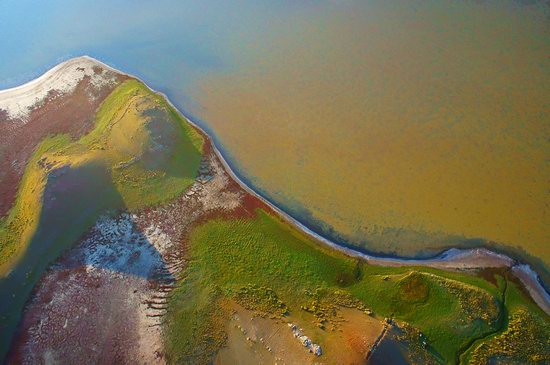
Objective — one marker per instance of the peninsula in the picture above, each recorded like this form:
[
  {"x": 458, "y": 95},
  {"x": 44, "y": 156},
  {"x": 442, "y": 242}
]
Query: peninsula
[{"x": 125, "y": 237}]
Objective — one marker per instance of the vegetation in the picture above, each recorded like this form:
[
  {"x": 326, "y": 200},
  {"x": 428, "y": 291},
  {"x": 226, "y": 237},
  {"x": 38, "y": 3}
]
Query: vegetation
[
  {"x": 416, "y": 349},
  {"x": 262, "y": 300},
  {"x": 152, "y": 153},
  {"x": 196, "y": 324},
  {"x": 232, "y": 254},
  {"x": 141, "y": 153},
  {"x": 325, "y": 303},
  {"x": 17, "y": 227},
  {"x": 435, "y": 304},
  {"x": 523, "y": 339}
]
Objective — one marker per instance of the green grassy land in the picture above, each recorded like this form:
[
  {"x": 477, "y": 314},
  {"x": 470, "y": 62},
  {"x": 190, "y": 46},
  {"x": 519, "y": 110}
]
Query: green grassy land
[
  {"x": 229, "y": 255},
  {"x": 447, "y": 311},
  {"x": 17, "y": 227}
]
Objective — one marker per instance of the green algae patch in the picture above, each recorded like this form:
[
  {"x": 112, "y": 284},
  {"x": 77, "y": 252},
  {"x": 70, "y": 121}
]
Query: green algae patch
[{"x": 265, "y": 252}]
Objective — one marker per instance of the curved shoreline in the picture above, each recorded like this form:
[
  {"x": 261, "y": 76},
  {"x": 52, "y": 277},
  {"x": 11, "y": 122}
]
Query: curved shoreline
[{"x": 451, "y": 259}]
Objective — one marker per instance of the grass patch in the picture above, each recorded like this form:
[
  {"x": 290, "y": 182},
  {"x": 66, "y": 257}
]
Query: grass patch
[
  {"x": 17, "y": 228},
  {"x": 196, "y": 324},
  {"x": 448, "y": 312},
  {"x": 414, "y": 288},
  {"x": 152, "y": 152},
  {"x": 236, "y": 254},
  {"x": 524, "y": 337},
  {"x": 267, "y": 252},
  {"x": 325, "y": 303}
]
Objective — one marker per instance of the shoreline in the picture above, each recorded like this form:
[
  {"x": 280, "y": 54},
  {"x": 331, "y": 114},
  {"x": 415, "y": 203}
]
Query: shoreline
[{"x": 450, "y": 259}]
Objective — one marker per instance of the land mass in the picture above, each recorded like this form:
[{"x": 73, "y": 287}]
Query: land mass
[{"x": 140, "y": 245}]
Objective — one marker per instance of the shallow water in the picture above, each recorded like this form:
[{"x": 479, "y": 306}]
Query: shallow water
[
  {"x": 404, "y": 125},
  {"x": 391, "y": 350}
]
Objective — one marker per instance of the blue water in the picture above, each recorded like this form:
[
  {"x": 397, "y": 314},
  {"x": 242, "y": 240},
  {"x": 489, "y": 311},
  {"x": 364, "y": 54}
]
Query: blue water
[
  {"x": 315, "y": 59},
  {"x": 168, "y": 43}
]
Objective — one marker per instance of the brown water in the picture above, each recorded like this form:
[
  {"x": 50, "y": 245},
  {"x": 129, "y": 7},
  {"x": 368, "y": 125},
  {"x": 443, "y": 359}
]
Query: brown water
[{"x": 383, "y": 118}]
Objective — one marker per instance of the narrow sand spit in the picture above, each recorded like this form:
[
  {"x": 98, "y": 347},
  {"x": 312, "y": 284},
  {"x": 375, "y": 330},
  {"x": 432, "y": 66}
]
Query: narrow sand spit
[{"x": 530, "y": 279}]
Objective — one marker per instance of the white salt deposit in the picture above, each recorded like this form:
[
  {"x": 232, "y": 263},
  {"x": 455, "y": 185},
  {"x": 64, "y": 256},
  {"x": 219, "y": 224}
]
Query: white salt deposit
[
  {"x": 304, "y": 340},
  {"x": 19, "y": 101},
  {"x": 116, "y": 245}
]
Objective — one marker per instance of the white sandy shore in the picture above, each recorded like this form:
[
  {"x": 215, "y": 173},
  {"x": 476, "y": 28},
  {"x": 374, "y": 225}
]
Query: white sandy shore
[
  {"x": 19, "y": 101},
  {"x": 19, "y": 98}
]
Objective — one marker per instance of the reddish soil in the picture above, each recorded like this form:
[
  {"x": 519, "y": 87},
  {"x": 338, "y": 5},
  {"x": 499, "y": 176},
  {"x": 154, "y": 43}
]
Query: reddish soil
[{"x": 72, "y": 114}]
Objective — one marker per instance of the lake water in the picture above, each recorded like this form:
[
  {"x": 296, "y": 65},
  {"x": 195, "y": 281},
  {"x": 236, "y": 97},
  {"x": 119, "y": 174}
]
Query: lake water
[{"x": 398, "y": 125}]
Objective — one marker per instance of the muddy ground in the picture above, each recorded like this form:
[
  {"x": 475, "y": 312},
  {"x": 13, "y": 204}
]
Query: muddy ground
[{"x": 252, "y": 339}]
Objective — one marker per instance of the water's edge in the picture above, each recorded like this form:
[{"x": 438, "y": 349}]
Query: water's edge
[{"x": 451, "y": 259}]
